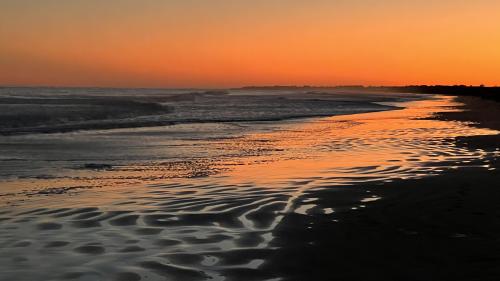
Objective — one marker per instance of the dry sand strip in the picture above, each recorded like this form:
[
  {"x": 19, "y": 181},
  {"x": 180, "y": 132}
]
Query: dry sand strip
[{"x": 437, "y": 228}]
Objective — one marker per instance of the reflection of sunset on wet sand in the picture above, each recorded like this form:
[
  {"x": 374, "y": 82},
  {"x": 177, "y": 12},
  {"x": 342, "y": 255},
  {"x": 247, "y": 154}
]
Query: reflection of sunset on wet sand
[
  {"x": 337, "y": 150},
  {"x": 209, "y": 209},
  {"x": 385, "y": 145}
]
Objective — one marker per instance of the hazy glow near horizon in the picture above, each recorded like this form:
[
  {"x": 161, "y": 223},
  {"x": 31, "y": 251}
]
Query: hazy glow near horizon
[{"x": 225, "y": 43}]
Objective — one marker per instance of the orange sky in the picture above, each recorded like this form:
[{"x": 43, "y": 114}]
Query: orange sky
[{"x": 226, "y": 43}]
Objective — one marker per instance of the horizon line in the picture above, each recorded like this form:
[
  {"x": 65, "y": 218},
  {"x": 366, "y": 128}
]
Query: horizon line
[{"x": 247, "y": 86}]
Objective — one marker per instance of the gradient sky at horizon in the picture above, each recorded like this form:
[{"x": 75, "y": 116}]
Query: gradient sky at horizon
[{"x": 227, "y": 43}]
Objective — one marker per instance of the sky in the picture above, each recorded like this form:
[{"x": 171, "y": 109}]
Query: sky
[{"x": 231, "y": 43}]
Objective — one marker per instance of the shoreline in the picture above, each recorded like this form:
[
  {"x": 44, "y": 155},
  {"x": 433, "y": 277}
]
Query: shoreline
[
  {"x": 275, "y": 193},
  {"x": 441, "y": 227}
]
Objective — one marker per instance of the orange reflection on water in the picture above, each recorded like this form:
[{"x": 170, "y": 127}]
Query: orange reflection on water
[
  {"x": 293, "y": 155},
  {"x": 382, "y": 145}
]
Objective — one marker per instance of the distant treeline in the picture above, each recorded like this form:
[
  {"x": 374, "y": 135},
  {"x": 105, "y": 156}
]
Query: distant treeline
[{"x": 457, "y": 90}]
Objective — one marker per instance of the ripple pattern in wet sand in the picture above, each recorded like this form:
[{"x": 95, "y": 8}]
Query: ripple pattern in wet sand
[{"x": 219, "y": 227}]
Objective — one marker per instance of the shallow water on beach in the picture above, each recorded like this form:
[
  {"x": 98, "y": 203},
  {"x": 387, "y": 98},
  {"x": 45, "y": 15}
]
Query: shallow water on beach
[{"x": 187, "y": 208}]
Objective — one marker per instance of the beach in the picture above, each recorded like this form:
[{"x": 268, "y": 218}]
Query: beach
[
  {"x": 397, "y": 187},
  {"x": 249, "y": 140},
  {"x": 435, "y": 228}
]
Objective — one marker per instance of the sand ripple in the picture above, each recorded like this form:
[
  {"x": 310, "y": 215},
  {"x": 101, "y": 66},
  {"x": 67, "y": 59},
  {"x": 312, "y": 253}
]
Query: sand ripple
[{"x": 212, "y": 217}]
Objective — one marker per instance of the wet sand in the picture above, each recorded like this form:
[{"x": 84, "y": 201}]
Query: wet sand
[
  {"x": 351, "y": 197},
  {"x": 436, "y": 228}
]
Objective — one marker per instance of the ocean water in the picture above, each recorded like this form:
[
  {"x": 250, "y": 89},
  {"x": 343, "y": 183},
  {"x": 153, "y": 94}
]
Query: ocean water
[
  {"x": 191, "y": 185},
  {"x": 47, "y": 110},
  {"x": 46, "y": 130}
]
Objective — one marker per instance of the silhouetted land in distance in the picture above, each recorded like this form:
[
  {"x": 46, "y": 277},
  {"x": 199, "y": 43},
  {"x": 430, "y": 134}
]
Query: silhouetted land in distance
[
  {"x": 460, "y": 90},
  {"x": 456, "y": 90}
]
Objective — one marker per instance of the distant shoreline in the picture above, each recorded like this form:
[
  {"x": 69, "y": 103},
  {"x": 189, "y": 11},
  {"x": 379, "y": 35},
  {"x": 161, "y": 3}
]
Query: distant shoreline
[{"x": 456, "y": 90}]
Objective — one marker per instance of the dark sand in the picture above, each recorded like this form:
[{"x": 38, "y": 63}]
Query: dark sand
[{"x": 445, "y": 227}]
